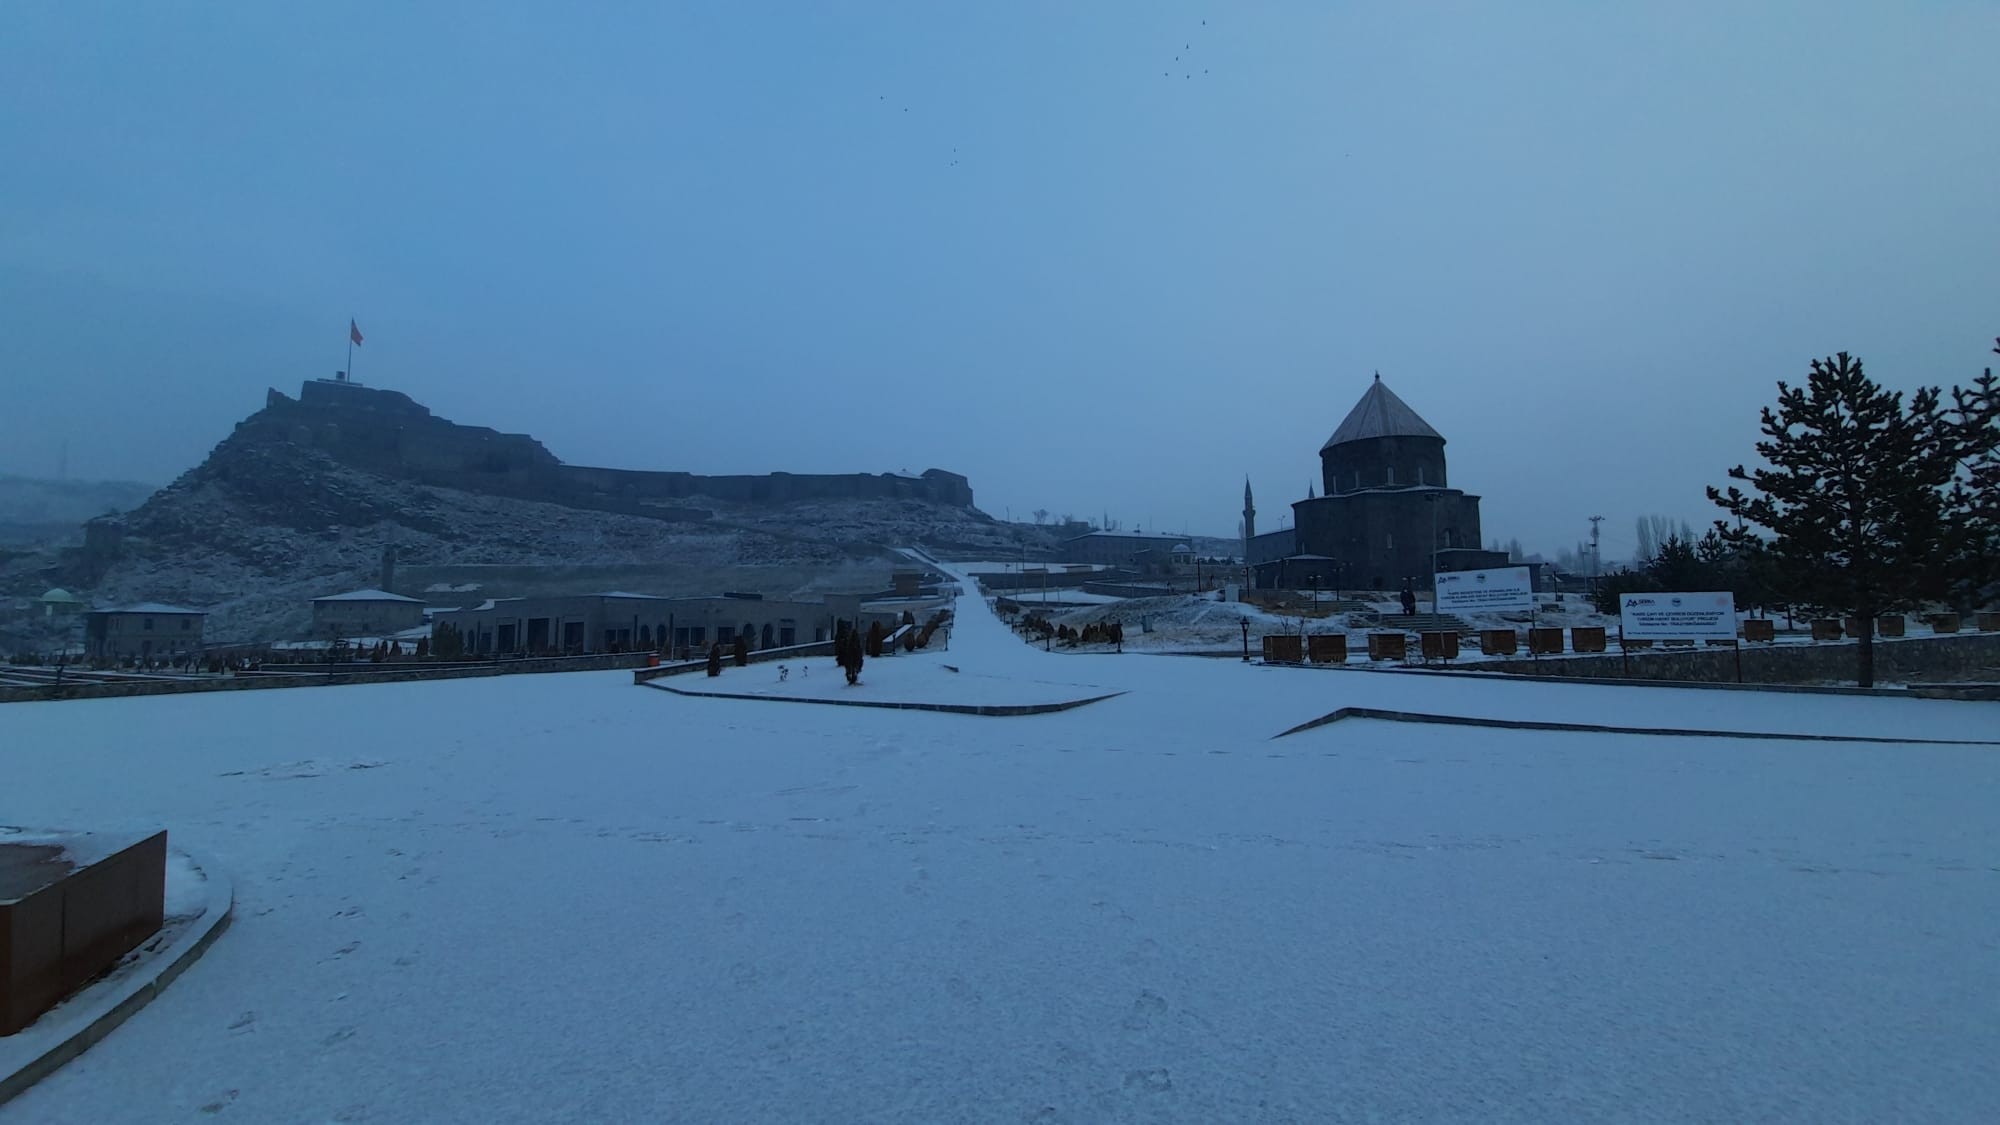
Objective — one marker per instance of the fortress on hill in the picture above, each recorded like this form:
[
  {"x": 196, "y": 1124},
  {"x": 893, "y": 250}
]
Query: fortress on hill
[{"x": 390, "y": 434}]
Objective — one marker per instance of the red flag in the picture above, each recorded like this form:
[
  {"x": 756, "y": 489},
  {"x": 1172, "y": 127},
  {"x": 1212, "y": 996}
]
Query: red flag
[{"x": 353, "y": 331}]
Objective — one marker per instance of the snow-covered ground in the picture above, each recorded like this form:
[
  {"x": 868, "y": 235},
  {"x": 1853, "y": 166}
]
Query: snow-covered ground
[{"x": 566, "y": 898}]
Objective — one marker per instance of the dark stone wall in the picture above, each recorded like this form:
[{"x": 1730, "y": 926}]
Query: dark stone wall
[
  {"x": 1912, "y": 659},
  {"x": 1384, "y": 536},
  {"x": 1272, "y": 545},
  {"x": 1389, "y": 461}
]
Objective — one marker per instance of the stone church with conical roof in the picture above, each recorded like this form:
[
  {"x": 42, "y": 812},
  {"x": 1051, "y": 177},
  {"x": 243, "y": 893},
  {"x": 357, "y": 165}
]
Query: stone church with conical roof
[{"x": 1386, "y": 509}]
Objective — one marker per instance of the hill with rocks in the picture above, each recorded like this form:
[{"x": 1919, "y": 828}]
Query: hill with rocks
[{"x": 306, "y": 495}]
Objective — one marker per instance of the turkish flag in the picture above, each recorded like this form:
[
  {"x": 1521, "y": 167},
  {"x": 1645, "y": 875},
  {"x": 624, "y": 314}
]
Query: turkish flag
[{"x": 353, "y": 331}]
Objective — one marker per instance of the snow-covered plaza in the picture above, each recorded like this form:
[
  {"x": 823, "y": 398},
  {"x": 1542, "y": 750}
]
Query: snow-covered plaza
[{"x": 568, "y": 898}]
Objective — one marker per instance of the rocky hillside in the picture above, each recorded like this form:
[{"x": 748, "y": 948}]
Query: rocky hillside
[{"x": 272, "y": 519}]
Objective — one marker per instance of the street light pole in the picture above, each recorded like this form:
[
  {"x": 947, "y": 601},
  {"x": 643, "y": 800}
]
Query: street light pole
[{"x": 1434, "y": 551}]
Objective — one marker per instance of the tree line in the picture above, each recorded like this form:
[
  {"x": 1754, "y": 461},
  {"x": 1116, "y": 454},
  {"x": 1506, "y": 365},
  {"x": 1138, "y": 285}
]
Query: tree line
[{"x": 1866, "y": 503}]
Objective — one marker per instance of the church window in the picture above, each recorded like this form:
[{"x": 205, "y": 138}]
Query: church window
[
  {"x": 1392, "y": 474},
  {"x": 1420, "y": 474},
  {"x": 1357, "y": 480},
  {"x": 1391, "y": 541}
]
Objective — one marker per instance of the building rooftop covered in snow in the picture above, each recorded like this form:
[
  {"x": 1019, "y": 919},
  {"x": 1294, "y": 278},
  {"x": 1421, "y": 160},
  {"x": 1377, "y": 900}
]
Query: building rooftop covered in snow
[{"x": 364, "y": 613}]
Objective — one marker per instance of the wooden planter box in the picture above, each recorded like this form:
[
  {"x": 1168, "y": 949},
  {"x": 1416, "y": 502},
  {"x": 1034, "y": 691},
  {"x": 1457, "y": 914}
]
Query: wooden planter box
[
  {"x": 1327, "y": 648},
  {"x": 1388, "y": 646},
  {"x": 62, "y": 924},
  {"x": 1284, "y": 649},
  {"x": 1586, "y": 638},
  {"x": 1889, "y": 625},
  {"x": 1499, "y": 642},
  {"x": 1987, "y": 622},
  {"x": 1852, "y": 625},
  {"x": 1439, "y": 645},
  {"x": 1633, "y": 646},
  {"x": 1826, "y": 629},
  {"x": 1760, "y": 629},
  {"x": 1944, "y": 623},
  {"x": 1545, "y": 642}
]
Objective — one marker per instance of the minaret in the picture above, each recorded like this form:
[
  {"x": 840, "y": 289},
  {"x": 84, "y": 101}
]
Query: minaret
[{"x": 1249, "y": 520}]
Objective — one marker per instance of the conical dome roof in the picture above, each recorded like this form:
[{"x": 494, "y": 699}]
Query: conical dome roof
[{"x": 1380, "y": 414}]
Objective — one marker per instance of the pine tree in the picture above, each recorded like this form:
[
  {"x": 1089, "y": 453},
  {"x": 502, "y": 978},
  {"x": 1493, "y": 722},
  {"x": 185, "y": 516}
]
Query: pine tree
[
  {"x": 1853, "y": 498},
  {"x": 847, "y": 653},
  {"x": 1973, "y": 504},
  {"x": 1677, "y": 567}
]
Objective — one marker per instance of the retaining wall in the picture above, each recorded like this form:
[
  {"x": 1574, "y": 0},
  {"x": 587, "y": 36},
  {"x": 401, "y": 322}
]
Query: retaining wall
[
  {"x": 1923, "y": 658},
  {"x": 303, "y": 675}
]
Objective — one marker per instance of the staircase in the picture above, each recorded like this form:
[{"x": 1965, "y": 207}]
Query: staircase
[{"x": 1414, "y": 622}]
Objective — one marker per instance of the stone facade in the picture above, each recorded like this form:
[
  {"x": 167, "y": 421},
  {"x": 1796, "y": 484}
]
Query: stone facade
[
  {"x": 143, "y": 631},
  {"x": 620, "y": 622},
  {"x": 1388, "y": 514},
  {"x": 1144, "y": 553},
  {"x": 1913, "y": 659},
  {"x": 365, "y": 613}
]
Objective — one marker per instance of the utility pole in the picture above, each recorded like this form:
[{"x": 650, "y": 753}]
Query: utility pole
[
  {"x": 1596, "y": 558},
  {"x": 1433, "y": 498}
]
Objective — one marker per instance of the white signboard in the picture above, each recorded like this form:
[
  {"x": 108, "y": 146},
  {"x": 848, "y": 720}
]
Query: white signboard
[
  {"x": 1678, "y": 617},
  {"x": 1500, "y": 590}
]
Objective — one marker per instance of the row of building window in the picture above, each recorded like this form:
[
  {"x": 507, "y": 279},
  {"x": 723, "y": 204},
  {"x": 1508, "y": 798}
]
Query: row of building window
[{"x": 1390, "y": 478}]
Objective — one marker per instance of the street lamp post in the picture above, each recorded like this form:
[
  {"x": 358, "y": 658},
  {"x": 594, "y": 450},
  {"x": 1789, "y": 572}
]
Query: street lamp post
[{"x": 1433, "y": 498}]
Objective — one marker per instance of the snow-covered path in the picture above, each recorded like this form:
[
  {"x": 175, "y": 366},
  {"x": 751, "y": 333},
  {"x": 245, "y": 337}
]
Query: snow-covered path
[{"x": 563, "y": 898}]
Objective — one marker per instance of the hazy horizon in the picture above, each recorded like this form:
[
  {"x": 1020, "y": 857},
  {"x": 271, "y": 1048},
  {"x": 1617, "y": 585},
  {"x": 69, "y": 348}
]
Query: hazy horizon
[{"x": 1098, "y": 259}]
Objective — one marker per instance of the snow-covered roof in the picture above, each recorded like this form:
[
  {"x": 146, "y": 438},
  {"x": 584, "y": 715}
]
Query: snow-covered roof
[
  {"x": 623, "y": 594},
  {"x": 59, "y": 595},
  {"x": 155, "y": 608},
  {"x": 1380, "y": 414},
  {"x": 1158, "y": 535},
  {"x": 367, "y": 596}
]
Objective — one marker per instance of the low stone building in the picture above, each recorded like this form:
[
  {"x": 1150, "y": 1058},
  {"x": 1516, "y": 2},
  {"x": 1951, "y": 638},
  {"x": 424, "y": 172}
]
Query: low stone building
[
  {"x": 626, "y": 622},
  {"x": 365, "y": 613},
  {"x": 1140, "y": 551},
  {"x": 148, "y": 629}
]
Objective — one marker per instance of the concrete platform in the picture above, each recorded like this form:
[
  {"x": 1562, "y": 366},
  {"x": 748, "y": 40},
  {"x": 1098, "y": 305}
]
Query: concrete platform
[{"x": 197, "y": 908}]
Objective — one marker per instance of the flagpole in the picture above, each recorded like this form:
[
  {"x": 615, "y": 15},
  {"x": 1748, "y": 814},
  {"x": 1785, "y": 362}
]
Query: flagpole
[{"x": 350, "y": 349}]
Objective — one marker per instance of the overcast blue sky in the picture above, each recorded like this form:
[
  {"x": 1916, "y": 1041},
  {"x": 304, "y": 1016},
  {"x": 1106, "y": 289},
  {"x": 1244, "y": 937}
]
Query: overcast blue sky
[{"x": 1095, "y": 256}]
